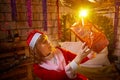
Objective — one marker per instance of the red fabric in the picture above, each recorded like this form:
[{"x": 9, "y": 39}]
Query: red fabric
[
  {"x": 31, "y": 34},
  {"x": 45, "y": 74},
  {"x": 70, "y": 56}
]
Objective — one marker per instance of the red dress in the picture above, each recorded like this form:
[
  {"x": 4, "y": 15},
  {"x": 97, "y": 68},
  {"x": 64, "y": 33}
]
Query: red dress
[{"x": 45, "y": 74}]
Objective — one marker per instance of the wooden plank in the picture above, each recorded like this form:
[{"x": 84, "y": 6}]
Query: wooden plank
[{"x": 14, "y": 72}]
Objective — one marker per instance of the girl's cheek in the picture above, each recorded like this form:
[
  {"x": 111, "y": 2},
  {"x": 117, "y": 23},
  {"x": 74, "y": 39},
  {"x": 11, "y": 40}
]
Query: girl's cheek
[{"x": 42, "y": 45}]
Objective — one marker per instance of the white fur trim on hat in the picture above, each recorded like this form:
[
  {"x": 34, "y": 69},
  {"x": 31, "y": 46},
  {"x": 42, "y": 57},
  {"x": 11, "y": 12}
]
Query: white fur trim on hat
[{"x": 34, "y": 39}]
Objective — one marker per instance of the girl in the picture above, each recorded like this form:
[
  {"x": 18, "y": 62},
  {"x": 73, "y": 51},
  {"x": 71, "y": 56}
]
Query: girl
[{"x": 55, "y": 63}]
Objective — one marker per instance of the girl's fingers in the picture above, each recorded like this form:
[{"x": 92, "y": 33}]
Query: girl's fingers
[
  {"x": 87, "y": 50},
  {"x": 83, "y": 45}
]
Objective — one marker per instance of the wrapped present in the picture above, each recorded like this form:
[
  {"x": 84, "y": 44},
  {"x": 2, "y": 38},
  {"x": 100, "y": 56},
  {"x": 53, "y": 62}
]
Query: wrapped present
[{"x": 94, "y": 38}]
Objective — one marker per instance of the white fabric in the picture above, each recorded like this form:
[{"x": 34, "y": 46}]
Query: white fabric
[
  {"x": 72, "y": 46},
  {"x": 100, "y": 60},
  {"x": 34, "y": 39}
]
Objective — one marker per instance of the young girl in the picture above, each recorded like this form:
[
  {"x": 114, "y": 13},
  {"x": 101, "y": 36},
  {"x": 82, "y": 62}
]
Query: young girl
[{"x": 55, "y": 63}]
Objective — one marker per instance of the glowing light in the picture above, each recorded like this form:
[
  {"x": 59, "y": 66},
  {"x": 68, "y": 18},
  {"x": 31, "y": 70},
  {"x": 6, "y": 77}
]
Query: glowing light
[
  {"x": 83, "y": 13},
  {"x": 93, "y": 1}
]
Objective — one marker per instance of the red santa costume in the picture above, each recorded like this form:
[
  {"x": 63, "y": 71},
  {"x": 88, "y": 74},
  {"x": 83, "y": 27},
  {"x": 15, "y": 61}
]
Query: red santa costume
[
  {"x": 60, "y": 67},
  {"x": 59, "y": 70}
]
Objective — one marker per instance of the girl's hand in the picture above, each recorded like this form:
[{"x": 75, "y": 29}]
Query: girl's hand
[
  {"x": 84, "y": 51},
  {"x": 82, "y": 54}
]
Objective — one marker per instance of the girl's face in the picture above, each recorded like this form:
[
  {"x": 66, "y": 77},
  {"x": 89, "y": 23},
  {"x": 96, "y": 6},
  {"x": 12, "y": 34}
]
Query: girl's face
[{"x": 44, "y": 46}]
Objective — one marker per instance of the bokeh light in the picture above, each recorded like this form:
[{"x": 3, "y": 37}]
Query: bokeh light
[{"x": 83, "y": 13}]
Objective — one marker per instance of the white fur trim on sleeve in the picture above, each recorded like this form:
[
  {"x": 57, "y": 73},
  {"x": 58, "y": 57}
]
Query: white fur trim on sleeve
[
  {"x": 73, "y": 65},
  {"x": 70, "y": 69}
]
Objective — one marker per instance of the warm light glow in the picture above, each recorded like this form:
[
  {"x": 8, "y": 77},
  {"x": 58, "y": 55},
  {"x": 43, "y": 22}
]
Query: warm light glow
[
  {"x": 93, "y": 1},
  {"x": 83, "y": 13}
]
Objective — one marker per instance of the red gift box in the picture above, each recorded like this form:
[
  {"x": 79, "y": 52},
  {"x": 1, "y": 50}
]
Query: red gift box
[{"x": 94, "y": 38}]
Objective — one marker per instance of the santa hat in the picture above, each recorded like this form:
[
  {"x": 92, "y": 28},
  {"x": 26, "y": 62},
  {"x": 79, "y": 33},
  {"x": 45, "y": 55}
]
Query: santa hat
[{"x": 32, "y": 38}]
